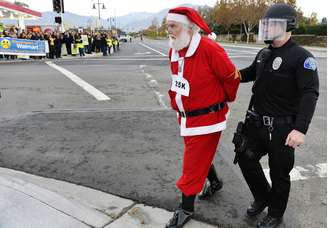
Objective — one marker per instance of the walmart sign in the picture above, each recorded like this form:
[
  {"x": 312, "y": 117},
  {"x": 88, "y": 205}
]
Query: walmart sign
[{"x": 13, "y": 46}]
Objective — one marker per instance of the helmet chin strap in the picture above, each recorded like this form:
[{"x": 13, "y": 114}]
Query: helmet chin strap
[
  {"x": 268, "y": 41},
  {"x": 271, "y": 41}
]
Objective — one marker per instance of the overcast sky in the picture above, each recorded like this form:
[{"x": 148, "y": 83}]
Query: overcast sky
[{"x": 122, "y": 7}]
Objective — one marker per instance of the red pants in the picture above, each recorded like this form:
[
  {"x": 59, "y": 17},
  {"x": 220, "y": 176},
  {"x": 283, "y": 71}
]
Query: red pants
[{"x": 198, "y": 156}]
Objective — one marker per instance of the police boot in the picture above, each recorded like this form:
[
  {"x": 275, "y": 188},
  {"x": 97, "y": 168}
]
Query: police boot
[
  {"x": 212, "y": 185},
  {"x": 179, "y": 219},
  {"x": 269, "y": 222},
  {"x": 256, "y": 208}
]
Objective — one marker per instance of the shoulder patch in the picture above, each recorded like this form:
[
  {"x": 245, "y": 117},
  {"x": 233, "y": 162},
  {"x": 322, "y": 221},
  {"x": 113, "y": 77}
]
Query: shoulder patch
[{"x": 310, "y": 63}]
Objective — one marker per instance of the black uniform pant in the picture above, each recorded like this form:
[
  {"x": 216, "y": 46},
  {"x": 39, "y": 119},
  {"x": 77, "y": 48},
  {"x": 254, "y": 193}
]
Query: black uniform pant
[
  {"x": 69, "y": 48},
  {"x": 281, "y": 162}
]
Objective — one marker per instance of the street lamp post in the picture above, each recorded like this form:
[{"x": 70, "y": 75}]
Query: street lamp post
[
  {"x": 61, "y": 15},
  {"x": 99, "y": 4}
]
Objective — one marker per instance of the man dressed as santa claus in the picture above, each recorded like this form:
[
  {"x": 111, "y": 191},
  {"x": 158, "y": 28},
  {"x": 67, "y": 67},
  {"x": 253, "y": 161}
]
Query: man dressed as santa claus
[{"x": 203, "y": 81}]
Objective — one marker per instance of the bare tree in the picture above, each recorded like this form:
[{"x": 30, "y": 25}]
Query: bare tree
[
  {"x": 223, "y": 13},
  {"x": 206, "y": 12},
  {"x": 248, "y": 13}
]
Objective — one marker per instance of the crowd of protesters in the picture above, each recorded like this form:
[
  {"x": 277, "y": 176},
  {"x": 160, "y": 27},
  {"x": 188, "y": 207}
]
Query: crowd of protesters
[{"x": 74, "y": 42}]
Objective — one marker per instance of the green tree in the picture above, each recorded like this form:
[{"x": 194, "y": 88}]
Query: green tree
[
  {"x": 21, "y": 4},
  {"x": 308, "y": 21}
]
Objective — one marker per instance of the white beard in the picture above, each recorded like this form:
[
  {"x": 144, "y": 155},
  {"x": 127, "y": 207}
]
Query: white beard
[{"x": 180, "y": 42}]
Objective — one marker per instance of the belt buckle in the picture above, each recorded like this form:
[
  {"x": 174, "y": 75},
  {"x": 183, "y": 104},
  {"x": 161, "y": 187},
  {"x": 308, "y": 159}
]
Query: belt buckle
[
  {"x": 267, "y": 120},
  {"x": 183, "y": 114}
]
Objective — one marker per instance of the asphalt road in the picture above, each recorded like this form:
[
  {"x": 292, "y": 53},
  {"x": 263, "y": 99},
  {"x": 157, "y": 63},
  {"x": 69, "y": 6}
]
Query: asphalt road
[{"x": 128, "y": 144}]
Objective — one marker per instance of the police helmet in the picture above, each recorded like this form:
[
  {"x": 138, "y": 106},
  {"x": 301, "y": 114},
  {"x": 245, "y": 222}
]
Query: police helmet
[{"x": 283, "y": 11}]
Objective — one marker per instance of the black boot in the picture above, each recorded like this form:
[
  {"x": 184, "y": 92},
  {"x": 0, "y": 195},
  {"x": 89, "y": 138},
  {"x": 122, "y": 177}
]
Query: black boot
[
  {"x": 269, "y": 222},
  {"x": 212, "y": 185},
  {"x": 179, "y": 219},
  {"x": 209, "y": 189},
  {"x": 256, "y": 208},
  {"x": 183, "y": 214}
]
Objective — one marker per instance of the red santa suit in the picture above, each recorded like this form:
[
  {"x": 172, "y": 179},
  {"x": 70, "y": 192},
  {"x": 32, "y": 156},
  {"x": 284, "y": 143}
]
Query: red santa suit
[{"x": 202, "y": 76}]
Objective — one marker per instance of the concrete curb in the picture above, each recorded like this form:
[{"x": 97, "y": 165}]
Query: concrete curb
[{"x": 31, "y": 201}]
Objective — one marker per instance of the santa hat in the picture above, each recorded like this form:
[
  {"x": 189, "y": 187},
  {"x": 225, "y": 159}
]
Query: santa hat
[{"x": 186, "y": 15}]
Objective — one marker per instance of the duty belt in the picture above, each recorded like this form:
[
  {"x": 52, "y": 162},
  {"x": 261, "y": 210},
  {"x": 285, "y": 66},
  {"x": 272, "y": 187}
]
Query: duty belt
[
  {"x": 203, "y": 111},
  {"x": 269, "y": 120}
]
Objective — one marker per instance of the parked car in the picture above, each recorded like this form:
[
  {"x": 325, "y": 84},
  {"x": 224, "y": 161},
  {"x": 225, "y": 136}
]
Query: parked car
[{"x": 124, "y": 38}]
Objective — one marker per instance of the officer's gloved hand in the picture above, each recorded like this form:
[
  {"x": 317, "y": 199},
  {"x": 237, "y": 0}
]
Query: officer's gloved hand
[{"x": 294, "y": 139}]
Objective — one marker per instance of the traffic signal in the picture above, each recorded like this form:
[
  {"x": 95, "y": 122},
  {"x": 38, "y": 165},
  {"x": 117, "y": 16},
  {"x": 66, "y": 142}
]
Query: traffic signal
[
  {"x": 58, "y": 6},
  {"x": 58, "y": 20}
]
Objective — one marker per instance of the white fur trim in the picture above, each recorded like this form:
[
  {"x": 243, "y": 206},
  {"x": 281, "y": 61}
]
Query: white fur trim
[
  {"x": 194, "y": 43},
  {"x": 178, "y": 100},
  {"x": 212, "y": 36},
  {"x": 178, "y": 18},
  {"x": 190, "y": 131}
]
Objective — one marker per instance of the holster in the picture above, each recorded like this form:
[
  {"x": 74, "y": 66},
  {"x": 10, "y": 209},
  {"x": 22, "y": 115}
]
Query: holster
[{"x": 240, "y": 141}]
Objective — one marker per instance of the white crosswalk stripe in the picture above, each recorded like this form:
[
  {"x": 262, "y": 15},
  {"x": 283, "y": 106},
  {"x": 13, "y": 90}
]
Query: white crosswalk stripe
[{"x": 304, "y": 173}]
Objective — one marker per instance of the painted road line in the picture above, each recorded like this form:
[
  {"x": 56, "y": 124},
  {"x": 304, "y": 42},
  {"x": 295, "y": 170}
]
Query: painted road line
[
  {"x": 100, "y": 96},
  {"x": 240, "y": 51},
  {"x": 304, "y": 173},
  {"x": 143, "y": 53},
  {"x": 153, "y": 84},
  {"x": 148, "y": 76},
  {"x": 241, "y": 46},
  {"x": 240, "y": 56},
  {"x": 146, "y": 46},
  {"x": 117, "y": 59},
  {"x": 160, "y": 99},
  {"x": 133, "y": 59}
]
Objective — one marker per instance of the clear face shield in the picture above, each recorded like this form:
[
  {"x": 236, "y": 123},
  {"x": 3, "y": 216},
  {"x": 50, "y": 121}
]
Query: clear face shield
[{"x": 272, "y": 29}]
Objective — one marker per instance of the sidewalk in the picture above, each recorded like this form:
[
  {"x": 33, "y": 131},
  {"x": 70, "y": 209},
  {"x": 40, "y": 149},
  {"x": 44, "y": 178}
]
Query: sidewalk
[
  {"x": 260, "y": 46},
  {"x": 46, "y": 59},
  {"x": 28, "y": 201}
]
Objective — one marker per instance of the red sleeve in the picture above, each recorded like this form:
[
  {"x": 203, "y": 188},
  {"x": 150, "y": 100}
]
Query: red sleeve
[{"x": 224, "y": 70}]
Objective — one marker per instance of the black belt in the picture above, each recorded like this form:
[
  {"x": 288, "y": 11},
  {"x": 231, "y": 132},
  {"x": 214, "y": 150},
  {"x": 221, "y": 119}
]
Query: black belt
[
  {"x": 268, "y": 120},
  {"x": 203, "y": 111}
]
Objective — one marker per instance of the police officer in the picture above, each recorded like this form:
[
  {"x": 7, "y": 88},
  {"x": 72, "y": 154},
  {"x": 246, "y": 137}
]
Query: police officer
[{"x": 284, "y": 97}]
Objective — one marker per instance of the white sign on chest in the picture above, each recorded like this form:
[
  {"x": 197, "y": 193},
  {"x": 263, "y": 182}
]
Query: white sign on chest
[{"x": 180, "y": 85}]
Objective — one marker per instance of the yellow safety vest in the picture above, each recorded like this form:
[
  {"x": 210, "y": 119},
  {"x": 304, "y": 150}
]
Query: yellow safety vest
[
  {"x": 109, "y": 42},
  {"x": 52, "y": 41},
  {"x": 79, "y": 43}
]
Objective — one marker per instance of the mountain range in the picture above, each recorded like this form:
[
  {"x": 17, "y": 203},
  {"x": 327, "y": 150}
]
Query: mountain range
[{"x": 131, "y": 22}]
